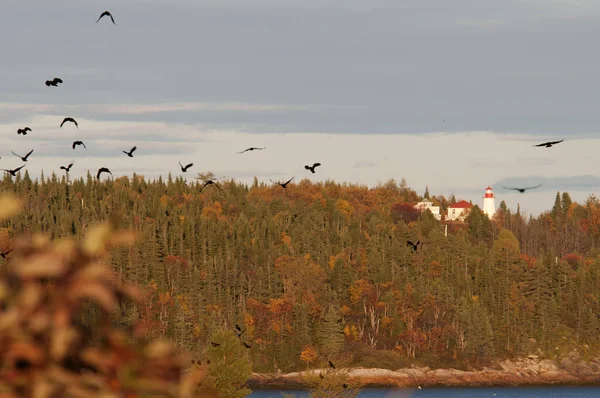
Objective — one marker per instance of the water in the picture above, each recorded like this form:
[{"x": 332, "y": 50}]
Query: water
[{"x": 488, "y": 392}]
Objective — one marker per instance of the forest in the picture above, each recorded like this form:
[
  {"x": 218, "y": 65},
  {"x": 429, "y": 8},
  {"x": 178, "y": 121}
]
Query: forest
[{"x": 321, "y": 272}]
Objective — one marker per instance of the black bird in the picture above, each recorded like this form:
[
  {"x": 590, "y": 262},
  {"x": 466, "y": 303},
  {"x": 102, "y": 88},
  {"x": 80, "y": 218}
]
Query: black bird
[
  {"x": 23, "y": 131},
  {"x": 105, "y": 13},
  {"x": 215, "y": 344},
  {"x": 14, "y": 171},
  {"x": 345, "y": 385},
  {"x": 103, "y": 170},
  {"x": 68, "y": 168},
  {"x": 413, "y": 246},
  {"x": 331, "y": 365},
  {"x": 184, "y": 169},
  {"x": 69, "y": 119},
  {"x": 252, "y": 149},
  {"x": 23, "y": 158},
  {"x": 321, "y": 376},
  {"x": 283, "y": 185},
  {"x": 312, "y": 168},
  {"x": 130, "y": 153},
  {"x": 211, "y": 182},
  {"x": 238, "y": 327},
  {"x": 4, "y": 254},
  {"x": 54, "y": 82},
  {"x": 75, "y": 143},
  {"x": 549, "y": 143},
  {"x": 247, "y": 345},
  {"x": 522, "y": 190}
]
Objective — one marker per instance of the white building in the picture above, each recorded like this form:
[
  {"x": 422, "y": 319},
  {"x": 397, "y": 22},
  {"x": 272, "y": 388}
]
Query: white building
[
  {"x": 489, "y": 207},
  {"x": 458, "y": 211},
  {"x": 427, "y": 204}
]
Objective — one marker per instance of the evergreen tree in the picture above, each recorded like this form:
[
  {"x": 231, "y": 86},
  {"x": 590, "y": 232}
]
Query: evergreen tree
[
  {"x": 331, "y": 334},
  {"x": 229, "y": 367},
  {"x": 566, "y": 202},
  {"x": 557, "y": 209}
]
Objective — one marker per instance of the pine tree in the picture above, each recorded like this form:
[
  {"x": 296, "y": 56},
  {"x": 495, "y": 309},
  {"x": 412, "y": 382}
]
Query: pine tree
[
  {"x": 566, "y": 202},
  {"x": 557, "y": 209},
  {"x": 331, "y": 334}
]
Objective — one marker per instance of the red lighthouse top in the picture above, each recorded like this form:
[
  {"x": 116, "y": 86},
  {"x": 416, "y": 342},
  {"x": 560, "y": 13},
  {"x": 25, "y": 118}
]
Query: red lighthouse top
[{"x": 489, "y": 192}]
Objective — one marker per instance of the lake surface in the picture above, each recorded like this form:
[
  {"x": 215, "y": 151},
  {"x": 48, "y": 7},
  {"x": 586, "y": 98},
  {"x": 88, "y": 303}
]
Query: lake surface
[{"x": 493, "y": 392}]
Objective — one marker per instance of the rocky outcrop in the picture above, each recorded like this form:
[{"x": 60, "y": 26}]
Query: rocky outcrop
[{"x": 526, "y": 371}]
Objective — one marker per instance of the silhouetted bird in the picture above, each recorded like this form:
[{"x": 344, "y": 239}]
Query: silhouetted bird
[
  {"x": 184, "y": 169},
  {"x": 69, "y": 119},
  {"x": 247, "y": 345},
  {"x": 238, "y": 327},
  {"x": 413, "y": 246},
  {"x": 4, "y": 254},
  {"x": 331, "y": 365},
  {"x": 312, "y": 168},
  {"x": 75, "y": 143},
  {"x": 284, "y": 184},
  {"x": 130, "y": 153},
  {"x": 215, "y": 344},
  {"x": 54, "y": 82},
  {"x": 68, "y": 168},
  {"x": 253, "y": 149},
  {"x": 522, "y": 190},
  {"x": 14, "y": 171},
  {"x": 105, "y": 13},
  {"x": 345, "y": 385},
  {"x": 103, "y": 170},
  {"x": 549, "y": 143},
  {"x": 211, "y": 182},
  {"x": 23, "y": 131},
  {"x": 321, "y": 376},
  {"x": 23, "y": 158}
]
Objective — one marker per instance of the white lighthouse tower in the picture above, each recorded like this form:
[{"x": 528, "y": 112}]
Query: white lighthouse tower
[{"x": 489, "y": 207}]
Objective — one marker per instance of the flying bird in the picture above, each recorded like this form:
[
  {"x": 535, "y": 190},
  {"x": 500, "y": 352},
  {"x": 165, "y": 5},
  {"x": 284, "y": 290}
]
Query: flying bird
[
  {"x": 68, "y": 168},
  {"x": 211, "y": 182},
  {"x": 247, "y": 345},
  {"x": 4, "y": 254},
  {"x": 69, "y": 119},
  {"x": 215, "y": 344},
  {"x": 252, "y": 149},
  {"x": 130, "y": 153},
  {"x": 413, "y": 246},
  {"x": 522, "y": 190},
  {"x": 23, "y": 131},
  {"x": 23, "y": 158},
  {"x": 312, "y": 168},
  {"x": 14, "y": 171},
  {"x": 184, "y": 169},
  {"x": 283, "y": 185},
  {"x": 549, "y": 143},
  {"x": 54, "y": 82},
  {"x": 106, "y": 13},
  {"x": 75, "y": 143},
  {"x": 103, "y": 170},
  {"x": 238, "y": 327},
  {"x": 331, "y": 365}
]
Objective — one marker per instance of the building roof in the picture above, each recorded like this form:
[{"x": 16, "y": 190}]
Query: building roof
[
  {"x": 463, "y": 204},
  {"x": 425, "y": 200},
  {"x": 488, "y": 188}
]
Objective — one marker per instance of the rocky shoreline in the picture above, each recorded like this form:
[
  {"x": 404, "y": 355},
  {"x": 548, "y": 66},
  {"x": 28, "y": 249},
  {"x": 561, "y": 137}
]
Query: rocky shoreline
[{"x": 570, "y": 370}]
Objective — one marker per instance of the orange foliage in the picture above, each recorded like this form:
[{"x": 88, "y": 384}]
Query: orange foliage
[{"x": 309, "y": 354}]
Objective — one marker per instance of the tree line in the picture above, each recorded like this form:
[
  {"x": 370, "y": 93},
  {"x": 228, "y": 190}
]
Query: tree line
[{"x": 321, "y": 272}]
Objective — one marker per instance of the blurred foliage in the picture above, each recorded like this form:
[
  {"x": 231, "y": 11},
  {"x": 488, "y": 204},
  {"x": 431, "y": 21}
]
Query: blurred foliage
[{"x": 52, "y": 349}]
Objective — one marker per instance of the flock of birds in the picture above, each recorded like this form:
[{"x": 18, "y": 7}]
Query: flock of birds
[{"x": 56, "y": 81}]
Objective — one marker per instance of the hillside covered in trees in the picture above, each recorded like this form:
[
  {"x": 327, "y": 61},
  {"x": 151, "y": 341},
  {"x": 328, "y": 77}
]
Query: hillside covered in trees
[{"x": 319, "y": 272}]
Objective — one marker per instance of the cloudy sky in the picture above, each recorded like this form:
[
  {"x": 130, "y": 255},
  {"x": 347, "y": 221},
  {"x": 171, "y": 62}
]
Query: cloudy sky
[{"x": 449, "y": 94}]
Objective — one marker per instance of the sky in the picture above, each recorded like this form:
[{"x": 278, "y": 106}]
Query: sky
[{"x": 450, "y": 95}]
